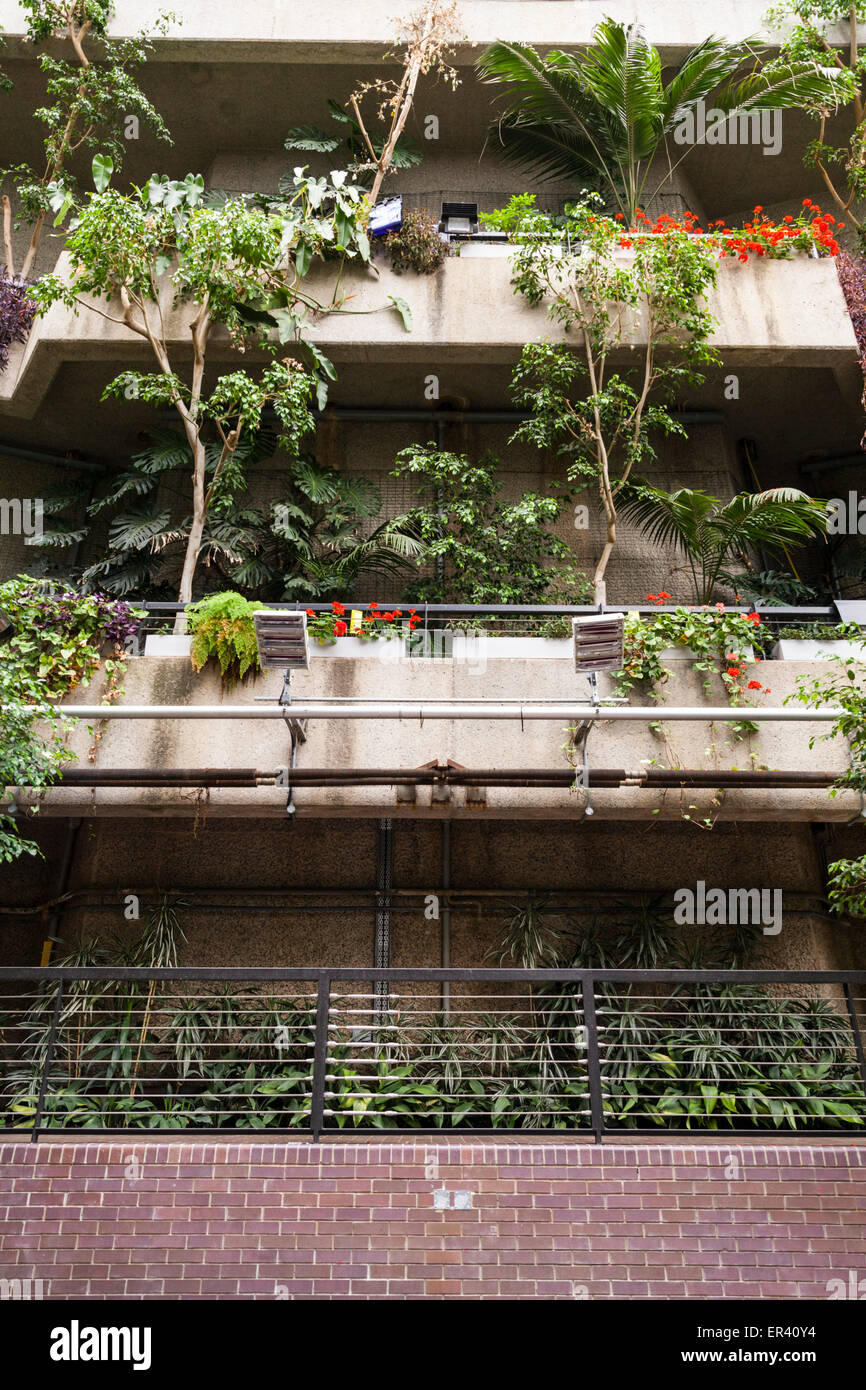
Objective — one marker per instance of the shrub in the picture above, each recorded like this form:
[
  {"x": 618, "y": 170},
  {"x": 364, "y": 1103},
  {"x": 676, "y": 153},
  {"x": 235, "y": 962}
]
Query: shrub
[
  {"x": 417, "y": 246},
  {"x": 16, "y": 314}
]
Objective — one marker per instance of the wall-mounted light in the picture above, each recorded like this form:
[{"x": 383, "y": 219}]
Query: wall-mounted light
[
  {"x": 282, "y": 640},
  {"x": 598, "y": 643}
]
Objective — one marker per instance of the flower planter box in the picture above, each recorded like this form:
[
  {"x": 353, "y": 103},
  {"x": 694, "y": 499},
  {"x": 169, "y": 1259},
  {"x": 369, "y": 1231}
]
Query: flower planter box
[
  {"x": 356, "y": 647},
  {"x": 688, "y": 654},
  {"x": 167, "y": 644},
  {"x": 522, "y": 648},
  {"x": 802, "y": 649},
  {"x": 464, "y": 647}
]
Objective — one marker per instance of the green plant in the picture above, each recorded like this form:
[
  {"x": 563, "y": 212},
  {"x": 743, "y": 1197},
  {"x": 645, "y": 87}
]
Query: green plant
[
  {"x": 809, "y": 34},
  {"x": 236, "y": 268},
  {"x": 841, "y": 685},
  {"x": 417, "y": 246},
  {"x": 600, "y": 118},
  {"x": 221, "y": 627},
  {"x": 821, "y": 632},
  {"x": 598, "y": 295},
  {"x": 770, "y": 588},
  {"x": 712, "y": 533},
  {"x": 55, "y": 645},
  {"x": 721, "y": 642},
  {"x": 846, "y": 886},
  {"x": 311, "y": 139},
  {"x": 485, "y": 551},
  {"x": 85, "y": 96},
  {"x": 530, "y": 941}
]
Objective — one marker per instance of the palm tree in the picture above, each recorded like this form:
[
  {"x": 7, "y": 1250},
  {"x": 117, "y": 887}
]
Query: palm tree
[
  {"x": 600, "y": 117},
  {"x": 712, "y": 533}
]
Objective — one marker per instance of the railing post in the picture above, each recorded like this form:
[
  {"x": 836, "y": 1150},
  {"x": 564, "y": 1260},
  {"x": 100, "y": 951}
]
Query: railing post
[
  {"x": 593, "y": 1064},
  {"x": 855, "y": 1029},
  {"x": 320, "y": 1056},
  {"x": 49, "y": 1057}
]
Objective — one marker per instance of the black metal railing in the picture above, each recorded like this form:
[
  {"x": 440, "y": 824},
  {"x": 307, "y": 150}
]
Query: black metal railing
[
  {"x": 508, "y": 620},
  {"x": 598, "y": 1053}
]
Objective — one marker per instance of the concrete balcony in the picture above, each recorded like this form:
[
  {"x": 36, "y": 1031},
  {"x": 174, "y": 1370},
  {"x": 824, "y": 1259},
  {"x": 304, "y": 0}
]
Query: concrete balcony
[
  {"x": 768, "y": 313},
  {"x": 334, "y": 31},
  {"x": 383, "y": 673}
]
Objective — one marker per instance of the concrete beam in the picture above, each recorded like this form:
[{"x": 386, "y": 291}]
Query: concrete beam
[
  {"x": 412, "y": 743},
  {"x": 768, "y": 312},
  {"x": 333, "y": 31}
]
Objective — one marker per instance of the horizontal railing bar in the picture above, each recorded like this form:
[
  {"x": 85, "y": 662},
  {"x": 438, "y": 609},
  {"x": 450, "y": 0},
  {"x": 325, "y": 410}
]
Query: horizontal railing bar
[
  {"x": 472, "y": 974},
  {"x": 541, "y": 610}
]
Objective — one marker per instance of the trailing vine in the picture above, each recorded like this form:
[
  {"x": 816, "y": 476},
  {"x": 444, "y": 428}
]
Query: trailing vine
[{"x": 56, "y": 644}]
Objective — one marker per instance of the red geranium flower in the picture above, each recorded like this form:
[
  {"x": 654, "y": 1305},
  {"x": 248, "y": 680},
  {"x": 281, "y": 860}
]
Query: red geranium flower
[{"x": 340, "y": 628}]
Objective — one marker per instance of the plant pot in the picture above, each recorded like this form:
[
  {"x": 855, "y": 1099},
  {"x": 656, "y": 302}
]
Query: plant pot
[
  {"x": 688, "y": 654},
  {"x": 515, "y": 648},
  {"x": 813, "y": 649},
  {"x": 356, "y": 647},
  {"x": 167, "y": 644}
]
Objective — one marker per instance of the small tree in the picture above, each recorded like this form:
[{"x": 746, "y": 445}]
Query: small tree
[
  {"x": 88, "y": 99},
  {"x": 484, "y": 550},
  {"x": 235, "y": 267},
  {"x": 808, "y": 26},
  {"x": 426, "y": 37},
  {"x": 652, "y": 303}
]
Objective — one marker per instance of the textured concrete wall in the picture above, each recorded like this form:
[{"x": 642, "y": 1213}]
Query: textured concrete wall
[
  {"x": 260, "y": 878},
  {"x": 381, "y": 672},
  {"x": 410, "y": 1220},
  {"x": 332, "y": 31},
  {"x": 778, "y": 311}
]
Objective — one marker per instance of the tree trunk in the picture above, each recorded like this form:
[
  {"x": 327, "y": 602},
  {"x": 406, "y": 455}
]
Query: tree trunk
[{"x": 193, "y": 545}]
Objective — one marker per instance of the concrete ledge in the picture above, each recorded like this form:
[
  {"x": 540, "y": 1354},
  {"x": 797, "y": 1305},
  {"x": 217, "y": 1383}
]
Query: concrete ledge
[
  {"x": 334, "y": 31},
  {"x": 768, "y": 312},
  {"x": 408, "y": 744}
]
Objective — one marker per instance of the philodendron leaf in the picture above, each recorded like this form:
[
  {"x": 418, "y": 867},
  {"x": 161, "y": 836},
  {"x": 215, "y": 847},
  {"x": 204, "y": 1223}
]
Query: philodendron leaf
[
  {"x": 403, "y": 310},
  {"x": 103, "y": 168}
]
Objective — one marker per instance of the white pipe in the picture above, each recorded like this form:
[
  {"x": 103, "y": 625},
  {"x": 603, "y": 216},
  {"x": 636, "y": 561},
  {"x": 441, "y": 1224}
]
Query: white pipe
[{"x": 455, "y": 709}]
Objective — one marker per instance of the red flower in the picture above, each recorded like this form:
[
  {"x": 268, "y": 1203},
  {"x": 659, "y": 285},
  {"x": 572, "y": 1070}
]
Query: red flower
[
  {"x": 311, "y": 612},
  {"x": 338, "y": 607},
  {"x": 754, "y": 618},
  {"x": 372, "y": 606},
  {"x": 754, "y": 685},
  {"x": 734, "y": 672},
  {"x": 340, "y": 628}
]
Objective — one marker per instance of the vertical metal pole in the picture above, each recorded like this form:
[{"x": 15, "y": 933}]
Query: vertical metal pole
[
  {"x": 49, "y": 1057},
  {"x": 320, "y": 1057},
  {"x": 855, "y": 1029},
  {"x": 382, "y": 940},
  {"x": 445, "y": 930},
  {"x": 593, "y": 1066}
]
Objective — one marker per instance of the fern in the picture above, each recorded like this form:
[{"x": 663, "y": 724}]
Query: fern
[{"x": 221, "y": 627}]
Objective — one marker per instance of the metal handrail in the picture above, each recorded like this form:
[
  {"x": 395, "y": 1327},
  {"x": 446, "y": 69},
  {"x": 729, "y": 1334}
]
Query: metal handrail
[{"x": 347, "y": 1039}]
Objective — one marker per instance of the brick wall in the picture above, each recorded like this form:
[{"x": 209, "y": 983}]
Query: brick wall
[{"x": 441, "y": 1220}]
